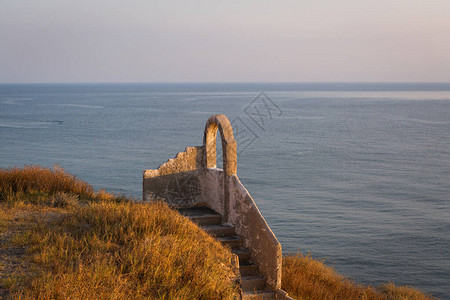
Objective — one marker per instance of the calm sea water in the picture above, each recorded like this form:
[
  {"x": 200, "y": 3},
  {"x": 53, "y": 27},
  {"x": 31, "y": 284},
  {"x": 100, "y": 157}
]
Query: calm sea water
[{"x": 356, "y": 173}]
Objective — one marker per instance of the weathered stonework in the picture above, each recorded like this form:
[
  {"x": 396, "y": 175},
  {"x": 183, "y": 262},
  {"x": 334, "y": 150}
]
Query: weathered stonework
[
  {"x": 249, "y": 223},
  {"x": 191, "y": 179},
  {"x": 177, "y": 180}
]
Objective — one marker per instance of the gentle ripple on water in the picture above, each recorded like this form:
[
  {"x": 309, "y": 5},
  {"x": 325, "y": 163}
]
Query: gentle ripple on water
[{"x": 357, "y": 173}]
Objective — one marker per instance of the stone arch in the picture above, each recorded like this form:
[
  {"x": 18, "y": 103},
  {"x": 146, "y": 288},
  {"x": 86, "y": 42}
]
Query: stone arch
[{"x": 221, "y": 123}]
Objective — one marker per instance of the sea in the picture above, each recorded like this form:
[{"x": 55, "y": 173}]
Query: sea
[{"x": 355, "y": 173}]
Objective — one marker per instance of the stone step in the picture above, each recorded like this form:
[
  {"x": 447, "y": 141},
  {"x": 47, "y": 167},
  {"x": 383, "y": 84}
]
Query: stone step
[
  {"x": 201, "y": 215},
  {"x": 258, "y": 295},
  {"x": 242, "y": 253},
  {"x": 248, "y": 268},
  {"x": 219, "y": 230},
  {"x": 198, "y": 210},
  {"x": 252, "y": 283},
  {"x": 232, "y": 241},
  {"x": 207, "y": 219}
]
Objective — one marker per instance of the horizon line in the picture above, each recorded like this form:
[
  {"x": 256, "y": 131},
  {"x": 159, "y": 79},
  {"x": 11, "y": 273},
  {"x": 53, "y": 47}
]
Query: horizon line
[{"x": 229, "y": 82}]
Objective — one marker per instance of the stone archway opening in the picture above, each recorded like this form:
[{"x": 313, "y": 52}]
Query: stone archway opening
[
  {"x": 221, "y": 124},
  {"x": 219, "y": 152}
]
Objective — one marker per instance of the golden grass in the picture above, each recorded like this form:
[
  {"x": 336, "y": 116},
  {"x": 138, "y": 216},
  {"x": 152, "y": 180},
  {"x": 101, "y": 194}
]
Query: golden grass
[
  {"x": 310, "y": 279},
  {"x": 402, "y": 292},
  {"x": 102, "y": 247},
  {"x": 34, "y": 179},
  {"x": 125, "y": 250}
]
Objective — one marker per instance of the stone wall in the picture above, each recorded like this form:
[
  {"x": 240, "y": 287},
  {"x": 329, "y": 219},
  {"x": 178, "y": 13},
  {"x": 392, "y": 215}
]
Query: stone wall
[
  {"x": 177, "y": 180},
  {"x": 264, "y": 247}
]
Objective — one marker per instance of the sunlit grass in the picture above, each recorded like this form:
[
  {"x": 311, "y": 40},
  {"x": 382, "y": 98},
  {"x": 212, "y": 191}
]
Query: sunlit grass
[
  {"x": 86, "y": 245},
  {"x": 124, "y": 250},
  {"x": 402, "y": 292},
  {"x": 308, "y": 278},
  {"x": 33, "y": 181}
]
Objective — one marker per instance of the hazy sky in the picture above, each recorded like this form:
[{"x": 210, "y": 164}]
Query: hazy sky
[{"x": 159, "y": 41}]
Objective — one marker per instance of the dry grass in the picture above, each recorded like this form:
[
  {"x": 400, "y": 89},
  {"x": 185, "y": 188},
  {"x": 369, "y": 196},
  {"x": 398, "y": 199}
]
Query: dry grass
[
  {"x": 402, "y": 292},
  {"x": 310, "y": 279},
  {"x": 307, "y": 278},
  {"x": 31, "y": 180},
  {"x": 75, "y": 243}
]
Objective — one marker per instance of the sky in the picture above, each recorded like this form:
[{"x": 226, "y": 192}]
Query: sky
[{"x": 224, "y": 41}]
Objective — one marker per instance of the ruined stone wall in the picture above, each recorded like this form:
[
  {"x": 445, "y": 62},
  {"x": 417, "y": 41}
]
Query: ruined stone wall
[
  {"x": 211, "y": 181},
  {"x": 177, "y": 181}
]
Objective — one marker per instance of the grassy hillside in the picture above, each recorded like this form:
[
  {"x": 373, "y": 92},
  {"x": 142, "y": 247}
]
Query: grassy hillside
[
  {"x": 308, "y": 278},
  {"x": 60, "y": 239}
]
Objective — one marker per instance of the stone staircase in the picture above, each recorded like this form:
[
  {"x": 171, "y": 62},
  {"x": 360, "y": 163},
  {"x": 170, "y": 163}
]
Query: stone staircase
[{"x": 252, "y": 283}]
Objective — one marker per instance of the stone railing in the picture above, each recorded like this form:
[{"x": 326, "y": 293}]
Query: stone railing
[{"x": 192, "y": 179}]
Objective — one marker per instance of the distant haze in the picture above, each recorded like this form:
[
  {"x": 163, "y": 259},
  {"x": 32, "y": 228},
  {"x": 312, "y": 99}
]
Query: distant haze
[{"x": 191, "y": 41}]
